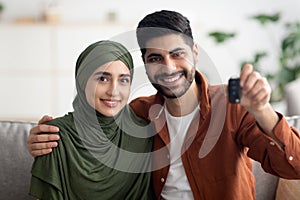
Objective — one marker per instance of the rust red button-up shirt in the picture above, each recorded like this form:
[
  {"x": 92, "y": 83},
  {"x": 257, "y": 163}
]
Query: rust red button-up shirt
[{"x": 219, "y": 144}]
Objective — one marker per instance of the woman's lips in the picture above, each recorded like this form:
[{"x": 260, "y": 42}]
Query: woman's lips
[{"x": 110, "y": 102}]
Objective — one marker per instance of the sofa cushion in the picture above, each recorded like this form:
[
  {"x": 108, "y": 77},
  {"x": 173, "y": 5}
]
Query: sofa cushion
[
  {"x": 15, "y": 161},
  {"x": 288, "y": 189},
  {"x": 265, "y": 184}
]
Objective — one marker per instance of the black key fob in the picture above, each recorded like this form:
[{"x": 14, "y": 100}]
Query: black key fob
[{"x": 234, "y": 90}]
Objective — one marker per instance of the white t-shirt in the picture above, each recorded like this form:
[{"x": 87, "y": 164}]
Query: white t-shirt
[{"x": 177, "y": 185}]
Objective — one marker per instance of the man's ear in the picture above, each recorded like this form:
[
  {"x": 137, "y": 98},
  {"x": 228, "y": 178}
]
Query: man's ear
[
  {"x": 195, "y": 52},
  {"x": 143, "y": 59}
]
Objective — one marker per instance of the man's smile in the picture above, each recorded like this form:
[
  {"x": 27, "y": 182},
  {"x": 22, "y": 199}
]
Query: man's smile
[{"x": 169, "y": 79}]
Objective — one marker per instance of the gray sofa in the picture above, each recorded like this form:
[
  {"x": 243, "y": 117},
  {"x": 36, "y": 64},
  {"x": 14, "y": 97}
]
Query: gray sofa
[
  {"x": 16, "y": 164},
  {"x": 15, "y": 161}
]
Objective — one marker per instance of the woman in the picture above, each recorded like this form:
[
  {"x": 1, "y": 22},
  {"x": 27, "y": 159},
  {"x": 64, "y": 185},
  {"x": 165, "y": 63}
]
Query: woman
[{"x": 104, "y": 151}]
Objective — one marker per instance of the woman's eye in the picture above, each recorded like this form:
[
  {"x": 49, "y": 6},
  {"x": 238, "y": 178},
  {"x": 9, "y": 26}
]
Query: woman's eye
[
  {"x": 125, "y": 80},
  {"x": 102, "y": 78}
]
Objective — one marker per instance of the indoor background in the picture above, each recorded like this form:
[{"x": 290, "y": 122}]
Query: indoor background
[{"x": 40, "y": 41}]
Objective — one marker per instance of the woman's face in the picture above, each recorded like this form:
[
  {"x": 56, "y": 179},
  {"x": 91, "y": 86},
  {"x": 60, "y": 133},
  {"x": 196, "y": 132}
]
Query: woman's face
[{"x": 108, "y": 88}]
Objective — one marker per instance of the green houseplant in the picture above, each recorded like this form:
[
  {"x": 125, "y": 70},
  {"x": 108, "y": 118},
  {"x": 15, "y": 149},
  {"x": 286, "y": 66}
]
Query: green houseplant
[
  {"x": 1, "y": 7},
  {"x": 288, "y": 57}
]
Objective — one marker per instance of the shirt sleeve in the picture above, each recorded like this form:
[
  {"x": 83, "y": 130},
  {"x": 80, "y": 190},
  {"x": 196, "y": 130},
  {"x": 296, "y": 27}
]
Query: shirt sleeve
[{"x": 280, "y": 162}]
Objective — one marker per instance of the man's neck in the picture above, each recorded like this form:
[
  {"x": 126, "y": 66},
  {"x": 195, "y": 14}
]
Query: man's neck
[{"x": 185, "y": 104}]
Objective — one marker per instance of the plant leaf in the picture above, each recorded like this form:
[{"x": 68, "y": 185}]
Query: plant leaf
[
  {"x": 258, "y": 56},
  {"x": 221, "y": 37},
  {"x": 263, "y": 19}
]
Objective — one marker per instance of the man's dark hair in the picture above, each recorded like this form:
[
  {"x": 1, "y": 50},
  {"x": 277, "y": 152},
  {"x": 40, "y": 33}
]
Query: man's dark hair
[{"x": 162, "y": 23}]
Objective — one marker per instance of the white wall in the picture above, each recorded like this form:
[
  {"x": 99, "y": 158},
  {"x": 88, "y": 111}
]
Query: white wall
[{"x": 205, "y": 16}]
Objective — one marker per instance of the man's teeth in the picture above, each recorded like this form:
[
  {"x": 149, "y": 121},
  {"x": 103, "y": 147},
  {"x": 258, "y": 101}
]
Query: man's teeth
[{"x": 169, "y": 80}]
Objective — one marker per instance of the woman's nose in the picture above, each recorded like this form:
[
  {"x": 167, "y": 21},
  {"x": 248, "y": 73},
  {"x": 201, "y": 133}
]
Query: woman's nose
[{"x": 113, "y": 89}]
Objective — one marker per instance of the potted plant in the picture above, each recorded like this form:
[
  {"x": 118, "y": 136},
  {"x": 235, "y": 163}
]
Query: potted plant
[
  {"x": 1, "y": 8},
  {"x": 288, "y": 58}
]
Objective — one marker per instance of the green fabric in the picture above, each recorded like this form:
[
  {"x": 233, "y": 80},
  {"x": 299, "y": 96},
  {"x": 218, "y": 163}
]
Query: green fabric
[
  {"x": 98, "y": 157},
  {"x": 98, "y": 54}
]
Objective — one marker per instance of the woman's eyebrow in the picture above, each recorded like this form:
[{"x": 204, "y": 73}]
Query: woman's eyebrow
[
  {"x": 125, "y": 75},
  {"x": 109, "y": 74},
  {"x": 102, "y": 73}
]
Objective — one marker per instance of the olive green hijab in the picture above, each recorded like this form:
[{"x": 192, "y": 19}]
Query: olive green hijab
[{"x": 98, "y": 157}]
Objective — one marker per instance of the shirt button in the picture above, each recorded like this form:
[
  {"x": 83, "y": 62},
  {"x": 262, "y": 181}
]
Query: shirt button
[
  {"x": 162, "y": 180},
  {"x": 291, "y": 158},
  {"x": 272, "y": 143}
]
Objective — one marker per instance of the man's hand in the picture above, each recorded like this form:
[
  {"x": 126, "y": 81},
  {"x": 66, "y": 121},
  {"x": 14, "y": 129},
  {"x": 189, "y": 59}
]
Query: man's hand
[
  {"x": 40, "y": 144},
  {"x": 256, "y": 91},
  {"x": 256, "y": 94}
]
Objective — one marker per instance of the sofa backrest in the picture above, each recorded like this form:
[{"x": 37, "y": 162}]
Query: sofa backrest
[
  {"x": 292, "y": 97},
  {"x": 15, "y": 161}
]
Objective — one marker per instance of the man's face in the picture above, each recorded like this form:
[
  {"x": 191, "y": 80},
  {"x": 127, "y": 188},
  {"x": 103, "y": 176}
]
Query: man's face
[{"x": 170, "y": 64}]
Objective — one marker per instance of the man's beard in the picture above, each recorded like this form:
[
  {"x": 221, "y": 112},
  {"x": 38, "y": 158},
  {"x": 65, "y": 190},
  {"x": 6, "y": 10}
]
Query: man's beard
[{"x": 178, "y": 90}]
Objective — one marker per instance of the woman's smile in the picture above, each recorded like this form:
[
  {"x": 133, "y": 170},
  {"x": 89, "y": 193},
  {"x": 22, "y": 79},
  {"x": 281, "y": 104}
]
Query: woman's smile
[{"x": 112, "y": 103}]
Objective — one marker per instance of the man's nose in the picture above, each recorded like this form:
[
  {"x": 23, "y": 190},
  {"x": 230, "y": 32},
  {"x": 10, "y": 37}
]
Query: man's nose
[{"x": 169, "y": 63}]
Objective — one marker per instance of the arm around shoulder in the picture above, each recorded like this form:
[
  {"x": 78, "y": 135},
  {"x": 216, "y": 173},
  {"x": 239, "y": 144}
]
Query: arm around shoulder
[{"x": 40, "y": 144}]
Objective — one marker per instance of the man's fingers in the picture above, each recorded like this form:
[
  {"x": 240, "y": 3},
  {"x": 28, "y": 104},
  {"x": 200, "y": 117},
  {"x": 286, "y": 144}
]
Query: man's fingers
[
  {"x": 44, "y": 119},
  {"x": 42, "y": 138},
  {"x": 43, "y": 128},
  {"x": 246, "y": 70},
  {"x": 253, "y": 81},
  {"x": 44, "y": 145},
  {"x": 46, "y": 137},
  {"x": 36, "y": 153},
  {"x": 40, "y": 145}
]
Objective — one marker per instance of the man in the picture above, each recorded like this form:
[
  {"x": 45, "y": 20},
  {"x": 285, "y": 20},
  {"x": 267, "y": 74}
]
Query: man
[{"x": 203, "y": 143}]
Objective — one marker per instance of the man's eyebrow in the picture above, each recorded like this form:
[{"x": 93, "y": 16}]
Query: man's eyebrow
[
  {"x": 177, "y": 49},
  {"x": 153, "y": 54},
  {"x": 170, "y": 52}
]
